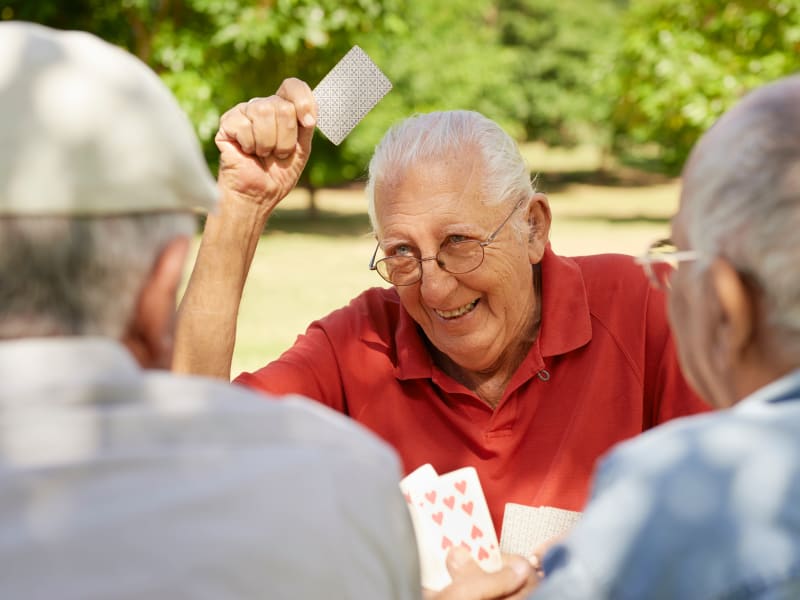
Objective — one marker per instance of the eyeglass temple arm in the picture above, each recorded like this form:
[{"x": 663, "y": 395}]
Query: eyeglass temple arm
[{"x": 371, "y": 265}]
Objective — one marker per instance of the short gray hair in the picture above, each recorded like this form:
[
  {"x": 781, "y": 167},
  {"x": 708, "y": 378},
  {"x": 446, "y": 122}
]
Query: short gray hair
[
  {"x": 428, "y": 136},
  {"x": 744, "y": 185},
  {"x": 79, "y": 275}
]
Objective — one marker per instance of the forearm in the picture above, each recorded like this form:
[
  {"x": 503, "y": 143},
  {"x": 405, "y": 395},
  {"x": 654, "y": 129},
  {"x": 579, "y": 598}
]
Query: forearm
[{"x": 206, "y": 327}]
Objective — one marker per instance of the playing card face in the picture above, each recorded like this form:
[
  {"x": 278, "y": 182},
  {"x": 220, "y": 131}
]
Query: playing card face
[
  {"x": 466, "y": 520},
  {"x": 347, "y": 93},
  {"x": 450, "y": 510},
  {"x": 420, "y": 488}
]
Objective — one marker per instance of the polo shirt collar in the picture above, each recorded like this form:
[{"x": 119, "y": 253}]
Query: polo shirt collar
[{"x": 566, "y": 323}]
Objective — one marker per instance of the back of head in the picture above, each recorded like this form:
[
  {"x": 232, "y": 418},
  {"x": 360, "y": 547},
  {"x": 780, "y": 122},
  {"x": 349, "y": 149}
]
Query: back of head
[
  {"x": 99, "y": 169},
  {"x": 451, "y": 135},
  {"x": 742, "y": 198}
]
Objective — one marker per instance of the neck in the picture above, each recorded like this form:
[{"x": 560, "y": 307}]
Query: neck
[
  {"x": 769, "y": 357},
  {"x": 490, "y": 384}
]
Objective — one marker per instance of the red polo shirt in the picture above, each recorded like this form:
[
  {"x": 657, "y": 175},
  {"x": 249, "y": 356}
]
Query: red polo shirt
[{"x": 602, "y": 369}]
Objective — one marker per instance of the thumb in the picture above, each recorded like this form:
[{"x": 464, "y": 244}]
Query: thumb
[
  {"x": 471, "y": 581},
  {"x": 305, "y": 134}
]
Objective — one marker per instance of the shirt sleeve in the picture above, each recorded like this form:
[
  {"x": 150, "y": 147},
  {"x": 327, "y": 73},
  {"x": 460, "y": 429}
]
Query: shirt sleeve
[{"x": 309, "y": 368}]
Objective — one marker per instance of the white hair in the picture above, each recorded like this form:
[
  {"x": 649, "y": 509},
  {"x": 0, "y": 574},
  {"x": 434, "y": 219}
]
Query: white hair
[
  {"x": 79, "y": 275},
  {"x": 744, "y": 184},
  {"x": 434, "y": 135}
]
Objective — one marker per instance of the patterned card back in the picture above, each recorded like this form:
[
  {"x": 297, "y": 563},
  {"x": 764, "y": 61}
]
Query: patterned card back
[
  {"x": 527, "y": 527},
  {"x": 346, "y": 94}
]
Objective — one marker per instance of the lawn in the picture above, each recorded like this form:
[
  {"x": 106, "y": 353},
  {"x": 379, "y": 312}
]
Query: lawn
[{"x": 304, "y": 269}]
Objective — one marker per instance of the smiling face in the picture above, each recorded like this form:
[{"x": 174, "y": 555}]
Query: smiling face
[{"x": 480, "y": 320}]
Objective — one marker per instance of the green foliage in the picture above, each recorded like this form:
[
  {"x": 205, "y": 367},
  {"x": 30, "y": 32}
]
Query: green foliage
[
  {"x": 447, "y": 55},
  {"x": 564, "y": 65},
  {"x": 649, "y": 76},
  {"x": 684, "y": 63},
  {"x": 216, "y": 53}
]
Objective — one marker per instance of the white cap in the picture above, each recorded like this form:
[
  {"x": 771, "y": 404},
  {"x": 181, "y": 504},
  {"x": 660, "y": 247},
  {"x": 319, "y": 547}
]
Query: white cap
[{"x": 88, "y": 129}]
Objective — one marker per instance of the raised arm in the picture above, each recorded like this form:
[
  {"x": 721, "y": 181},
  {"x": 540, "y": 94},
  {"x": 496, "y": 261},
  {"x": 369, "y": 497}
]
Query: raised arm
[{"x": 264, "y": 145}]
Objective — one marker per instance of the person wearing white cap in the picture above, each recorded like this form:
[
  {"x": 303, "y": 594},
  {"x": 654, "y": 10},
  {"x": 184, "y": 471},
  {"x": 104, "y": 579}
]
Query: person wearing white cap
[{"x": 119, "y": 479}]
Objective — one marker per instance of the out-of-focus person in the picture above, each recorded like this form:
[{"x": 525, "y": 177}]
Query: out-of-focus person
[
  {"x": 709, "y": 506},
  {"x": 119, "y": 479}
]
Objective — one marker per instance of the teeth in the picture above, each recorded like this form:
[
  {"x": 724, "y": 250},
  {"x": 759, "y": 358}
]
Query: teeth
[{"x": 451, "y": 314}]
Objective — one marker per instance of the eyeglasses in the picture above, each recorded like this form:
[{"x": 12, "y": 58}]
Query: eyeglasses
[
  {"x": 454, "y": 257},
  {"x": 661, "y": 260}
]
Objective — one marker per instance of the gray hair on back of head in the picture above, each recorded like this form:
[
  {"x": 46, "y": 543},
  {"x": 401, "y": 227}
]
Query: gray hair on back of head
[
  {"x": 79, "y": 275},
  {"x": 744, "y": 183},
  {"x": 431, "y": 136}
]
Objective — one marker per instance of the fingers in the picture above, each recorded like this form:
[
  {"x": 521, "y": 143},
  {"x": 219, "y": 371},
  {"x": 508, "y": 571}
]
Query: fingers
[
  {"x": 515, "y": 579},
  {"x": 272, "y": 126},
  {"x": 299, "y": 94}
]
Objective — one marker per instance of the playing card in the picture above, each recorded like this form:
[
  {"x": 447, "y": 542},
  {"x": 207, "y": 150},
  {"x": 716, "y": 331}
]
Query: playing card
[
  {"x": 420, "y": 488},
  {"x": 525, "y": 528},
  {"x": 347, "y": 93},
  {"x": 451, "y": 513},
  {"x": 466, "y": 520}
]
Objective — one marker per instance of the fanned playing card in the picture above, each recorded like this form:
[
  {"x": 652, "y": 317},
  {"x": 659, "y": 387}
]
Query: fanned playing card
[
  {"x": 449, "y": 510},
  {"x": 525, "y": 528},
  {"x": 420, "y": 488},
  {"x": 347, "y": 93}
]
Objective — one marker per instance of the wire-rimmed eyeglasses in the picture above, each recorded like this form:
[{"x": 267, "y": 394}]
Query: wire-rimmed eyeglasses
[
  {"x": 660, "y": 261},
  {"x": 454, "y": 257}
]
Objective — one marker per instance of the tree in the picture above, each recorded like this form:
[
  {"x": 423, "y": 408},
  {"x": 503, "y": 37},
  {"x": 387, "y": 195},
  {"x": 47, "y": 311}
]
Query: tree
[
  {"x": 564, "y": 65},
  {"x": 213, "y": 54},
  {"x": 684, "y": 63}
]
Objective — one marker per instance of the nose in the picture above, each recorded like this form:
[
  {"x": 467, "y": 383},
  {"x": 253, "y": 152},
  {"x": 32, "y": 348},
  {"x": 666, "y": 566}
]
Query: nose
[{"x": 436, "y": 283}]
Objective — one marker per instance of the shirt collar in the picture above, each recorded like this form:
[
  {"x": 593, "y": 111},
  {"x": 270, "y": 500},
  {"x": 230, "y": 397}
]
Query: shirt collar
[
  {"x": 565, "y": 326},
  {"x": 782, "y": 389},
  {"x": 29, "y": 361}
]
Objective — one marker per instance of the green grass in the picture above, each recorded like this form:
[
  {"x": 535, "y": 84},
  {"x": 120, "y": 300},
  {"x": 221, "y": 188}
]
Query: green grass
[{"x": 303, "y": 269}]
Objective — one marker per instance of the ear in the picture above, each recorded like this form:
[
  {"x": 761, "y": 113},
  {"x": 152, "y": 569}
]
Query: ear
[
  {"x": 539, "y": 219},
  {"x": 150, "y": 334},
  {"x": 737, "y": 312}
]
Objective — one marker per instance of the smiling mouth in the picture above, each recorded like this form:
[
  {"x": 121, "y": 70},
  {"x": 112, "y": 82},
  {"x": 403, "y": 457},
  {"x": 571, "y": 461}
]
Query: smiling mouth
[{"x": 458, "y": 312}]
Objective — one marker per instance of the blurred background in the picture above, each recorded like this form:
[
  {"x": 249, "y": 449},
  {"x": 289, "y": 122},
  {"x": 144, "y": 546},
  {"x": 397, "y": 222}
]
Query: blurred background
[{"x": 605, "y": 97}]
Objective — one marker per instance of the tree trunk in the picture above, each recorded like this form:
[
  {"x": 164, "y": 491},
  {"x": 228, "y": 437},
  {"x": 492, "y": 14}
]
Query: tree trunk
[{"x": 313, "y": 210}]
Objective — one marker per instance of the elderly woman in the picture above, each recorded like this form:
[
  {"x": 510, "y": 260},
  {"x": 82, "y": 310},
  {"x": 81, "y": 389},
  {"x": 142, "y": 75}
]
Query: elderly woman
[{"x": 488, "y": 349}]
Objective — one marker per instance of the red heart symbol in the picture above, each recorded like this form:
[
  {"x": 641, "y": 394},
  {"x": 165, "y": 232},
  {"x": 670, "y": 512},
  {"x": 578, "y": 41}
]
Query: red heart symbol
[
  {"x": 482, "y": 554},
  {"x": 408, "y": 497},
  {"x": 476, "y": 533},
  {"x": 461, "y": 486},
  {"x": 431, "y": 496},
  {"x": 450, "y": 502},
  {"x": 446, "y": 543},
  {"x": 438, "y": 517},
  {"x": 467, "y": 508}
]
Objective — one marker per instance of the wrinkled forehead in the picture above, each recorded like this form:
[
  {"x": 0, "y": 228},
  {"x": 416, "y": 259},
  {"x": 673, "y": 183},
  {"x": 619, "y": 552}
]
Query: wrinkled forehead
[{"x": 461, "y": 172}]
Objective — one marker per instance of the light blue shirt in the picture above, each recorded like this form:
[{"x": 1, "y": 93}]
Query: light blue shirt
[
  {"x": 704, "y": 507},
  {"x": 128, "y": 484}
]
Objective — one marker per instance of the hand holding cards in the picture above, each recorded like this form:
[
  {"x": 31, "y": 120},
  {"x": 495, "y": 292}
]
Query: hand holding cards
[{"x": 449, "y": 510}]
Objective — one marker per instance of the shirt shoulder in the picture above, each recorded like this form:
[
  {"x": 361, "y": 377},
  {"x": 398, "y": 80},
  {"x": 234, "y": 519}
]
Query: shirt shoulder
[
  {"x": 677, "y": 509},
  {"x": 373, "y": 315},
  {"x": 280, "y": 486},
  {"x": 287, "y": 419},
  {"x": 613, "y": 280}
]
